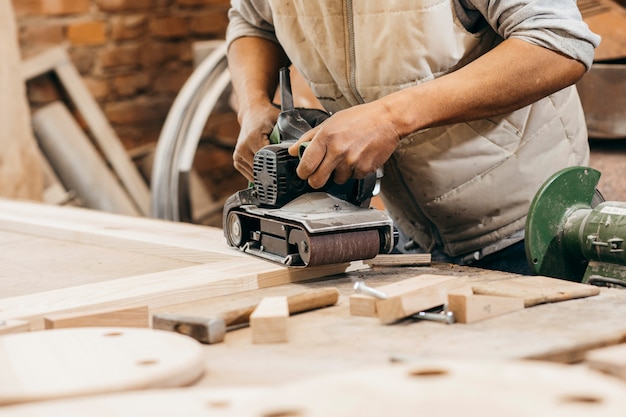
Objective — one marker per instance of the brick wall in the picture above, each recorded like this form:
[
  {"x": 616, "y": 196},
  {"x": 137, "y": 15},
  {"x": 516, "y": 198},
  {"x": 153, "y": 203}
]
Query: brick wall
[{"x": 134, "y": 55}]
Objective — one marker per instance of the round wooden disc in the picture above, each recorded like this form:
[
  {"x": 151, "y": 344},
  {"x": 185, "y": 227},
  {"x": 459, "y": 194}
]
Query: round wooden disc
[
  {"x": 79, "y": 361},
  {"x": 431, "y": 387}
]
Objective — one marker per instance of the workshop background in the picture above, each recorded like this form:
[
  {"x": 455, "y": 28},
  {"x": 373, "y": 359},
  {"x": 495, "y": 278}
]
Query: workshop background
[{"x": 134, "y": 57}]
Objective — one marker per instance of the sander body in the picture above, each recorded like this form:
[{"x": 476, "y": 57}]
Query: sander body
[{"x": 280, "y": 218}]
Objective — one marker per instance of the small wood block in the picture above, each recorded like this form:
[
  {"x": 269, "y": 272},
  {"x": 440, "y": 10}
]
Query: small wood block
[
  {"x": 129, "y": 317},
  {"x": 537, "y": 289},
  {"x": 610, "y": 360},
  {"x": 365, "y": 305},
  {"x": 14, "y": 326},
  {"x": 418, "y": 299},
  {"x": 410, "y": 259},
  {"x": 268, "y": 321},
  {"x": 468, "y": 307}
]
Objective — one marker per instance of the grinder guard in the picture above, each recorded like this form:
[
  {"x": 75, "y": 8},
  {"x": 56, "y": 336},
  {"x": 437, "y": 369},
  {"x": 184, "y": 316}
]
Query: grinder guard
[{"x": 572, "y": 233}]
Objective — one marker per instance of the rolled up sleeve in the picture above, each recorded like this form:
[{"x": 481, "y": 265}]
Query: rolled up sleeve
[
  {"x": 249, "y": 18},
  {"x": 553, "y": 24}
]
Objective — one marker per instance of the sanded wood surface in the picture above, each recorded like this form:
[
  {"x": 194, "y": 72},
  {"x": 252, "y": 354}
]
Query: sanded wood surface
[
  {"x": 71, "y": 362},
  {"x": 433, "y": 387}
]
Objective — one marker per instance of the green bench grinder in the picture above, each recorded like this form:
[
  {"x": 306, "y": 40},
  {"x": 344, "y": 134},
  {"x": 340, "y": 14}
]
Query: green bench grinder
[{"x": 573, "y": 234}]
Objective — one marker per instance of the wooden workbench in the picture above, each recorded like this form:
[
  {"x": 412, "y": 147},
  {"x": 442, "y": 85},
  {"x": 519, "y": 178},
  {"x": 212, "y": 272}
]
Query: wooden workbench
[{"x": 67, "y": 259}]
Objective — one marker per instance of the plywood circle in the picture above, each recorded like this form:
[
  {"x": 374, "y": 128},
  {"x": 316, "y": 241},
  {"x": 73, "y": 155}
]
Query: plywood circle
[
  {"x": 79, "y": 361},
  {"x": 432, "y": 387},
  {"x": 451, "y": 388}
]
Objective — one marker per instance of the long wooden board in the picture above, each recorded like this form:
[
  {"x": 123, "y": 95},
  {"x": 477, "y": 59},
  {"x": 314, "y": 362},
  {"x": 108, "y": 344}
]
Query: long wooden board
[
  {"x": 537, "y": 289},
  {"x": 220, "y": 270}
]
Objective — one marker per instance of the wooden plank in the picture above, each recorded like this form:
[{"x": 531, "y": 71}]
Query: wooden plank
[
  {"x": 537, "y": 289},
  {"x": 268, "y": 321},
  {"x": 21, "y": 174},
  {"x": 43, "y": 62},
  {"x": 365, "y": 305},
  {"x": 418, "y": 299},
  {"x": 77, "y": 162},
  {"x": 610, "y": 360},
  {"x": 159, "y": 290},
  {"x": 14, "y": 326},
  {"x": 106, "y": 138},
  {"x": 607, "y": 19},
  {"x": 127, "y": 317},
  {"x": 417, "y": 259},
  {"x": 183, "y": 241},
  {"x": 469, "y": 308},
  {"x": 57, "y": 60}
]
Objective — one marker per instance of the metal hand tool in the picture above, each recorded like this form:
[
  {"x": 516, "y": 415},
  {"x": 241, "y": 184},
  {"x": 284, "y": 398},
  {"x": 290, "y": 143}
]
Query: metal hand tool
[{"x": 213, "y": 329}]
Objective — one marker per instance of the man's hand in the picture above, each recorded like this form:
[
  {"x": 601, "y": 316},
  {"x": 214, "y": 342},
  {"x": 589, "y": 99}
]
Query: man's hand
[
  {"x": 256, "y": 127},
  {"x": 350, "y": 144}
]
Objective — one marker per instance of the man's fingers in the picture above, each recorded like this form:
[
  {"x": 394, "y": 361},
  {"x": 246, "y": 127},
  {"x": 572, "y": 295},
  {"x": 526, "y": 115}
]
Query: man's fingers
[
  {"x": 312, "y": 157},
  {"x": 294, "y": 149}
]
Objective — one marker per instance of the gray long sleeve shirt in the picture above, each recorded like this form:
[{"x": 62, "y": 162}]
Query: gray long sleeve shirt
[{"x": 553, "y": 24}]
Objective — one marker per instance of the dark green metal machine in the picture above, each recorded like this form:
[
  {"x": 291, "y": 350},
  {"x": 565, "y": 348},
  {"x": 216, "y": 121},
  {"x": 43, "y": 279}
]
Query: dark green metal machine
[{"x": 572, "y": 233}]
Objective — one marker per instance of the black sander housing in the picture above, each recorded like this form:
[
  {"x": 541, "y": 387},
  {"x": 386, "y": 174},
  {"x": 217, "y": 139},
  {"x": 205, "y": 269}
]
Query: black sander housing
[{"x": 282, "y": 219}]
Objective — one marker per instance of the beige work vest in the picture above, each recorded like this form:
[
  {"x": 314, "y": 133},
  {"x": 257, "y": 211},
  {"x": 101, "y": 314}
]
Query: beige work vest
[{"x": 462, "y": 186}]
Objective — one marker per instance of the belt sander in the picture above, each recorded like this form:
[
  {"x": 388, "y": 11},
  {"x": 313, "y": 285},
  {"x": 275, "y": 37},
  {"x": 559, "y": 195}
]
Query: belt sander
[
  {"x": 572, "y": 233},
  {"x": 280, "y": 218}
]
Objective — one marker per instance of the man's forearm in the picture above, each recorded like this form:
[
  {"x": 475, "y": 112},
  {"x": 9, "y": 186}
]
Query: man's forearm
[
  {"x": 254, "y": 64},
  {"x": 509, "y": 77}
]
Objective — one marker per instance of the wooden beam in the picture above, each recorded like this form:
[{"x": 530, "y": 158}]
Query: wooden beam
[
  {"x": 14, "y": 326},
  {"x": 610, "y": 360},
  {"x": 414, "y": 259},
  {"x": 21, "y": 175},
  {"x": 158, "y": 290},
  {"x": 365, "y": 305},
  {"x": 57, "y": 60},
  {"x": 127, "y": 317},
  {"x": 149, "y": 236},
  {"x": 537, "y": 289},
  {"x": 77, "y": 162},
  {"x": 43, "y": 62},
  {"x": 268, "y": 321},
  {"x": 469, "y": 308},
  {"x": 418, "y": 298}
]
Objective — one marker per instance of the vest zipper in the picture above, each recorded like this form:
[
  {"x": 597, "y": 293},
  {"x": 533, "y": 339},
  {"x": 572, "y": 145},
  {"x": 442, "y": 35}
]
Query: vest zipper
[{"x": 352, "y": 53}]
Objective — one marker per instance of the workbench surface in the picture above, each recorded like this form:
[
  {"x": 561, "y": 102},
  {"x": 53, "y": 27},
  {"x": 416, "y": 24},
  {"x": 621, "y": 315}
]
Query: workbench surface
[{"x": 52, "y": 255}]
